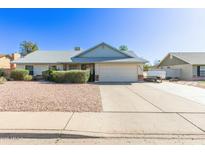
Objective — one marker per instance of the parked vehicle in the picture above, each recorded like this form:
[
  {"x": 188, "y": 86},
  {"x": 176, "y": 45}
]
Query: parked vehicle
[
  {"x": 153, "y": 79},
  {"x": 156, "y": 73},
  {"x": 154, "y": 76},
  {"x": 167, "y": 73}
]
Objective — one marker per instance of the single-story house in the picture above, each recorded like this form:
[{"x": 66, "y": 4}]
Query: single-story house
[
  {"x": 190, "y": 64},
  {"x": 5, "y": 60},
  {"x": 106, "y": 63}
]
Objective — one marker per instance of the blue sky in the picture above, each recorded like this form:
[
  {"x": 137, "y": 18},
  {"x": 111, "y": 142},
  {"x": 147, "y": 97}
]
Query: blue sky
[{"x": 151, "y": 33}]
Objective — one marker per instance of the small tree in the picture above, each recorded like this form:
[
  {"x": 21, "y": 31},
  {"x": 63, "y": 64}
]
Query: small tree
[
  {"x": 123, "y": 48},
  {"x": 147, "y": 67},
  {"x": 156, "y": 62},
  {"x": 27, "y": 47}
]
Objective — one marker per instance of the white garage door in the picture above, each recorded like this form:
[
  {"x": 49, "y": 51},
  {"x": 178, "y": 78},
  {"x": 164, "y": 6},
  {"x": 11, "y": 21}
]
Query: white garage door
[
  {"x": 38, "y": 69},
  {"x": 118, "y": 72}
]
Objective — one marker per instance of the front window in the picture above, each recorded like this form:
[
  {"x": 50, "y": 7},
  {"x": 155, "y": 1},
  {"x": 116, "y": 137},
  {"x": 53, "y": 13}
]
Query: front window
[
  {"x": 30, "y": 69},
  {"x": 53, "y": 67},
  {"x": 202, "y": 71},
  {"x": 73, "y": 67}
]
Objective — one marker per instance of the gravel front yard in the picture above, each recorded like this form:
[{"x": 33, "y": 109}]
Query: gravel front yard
[{"x": 43, "y": 96}]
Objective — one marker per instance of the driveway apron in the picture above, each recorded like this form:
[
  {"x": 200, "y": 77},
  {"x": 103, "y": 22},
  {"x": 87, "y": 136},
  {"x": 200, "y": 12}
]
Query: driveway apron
[{"x": 120, "y": 98}]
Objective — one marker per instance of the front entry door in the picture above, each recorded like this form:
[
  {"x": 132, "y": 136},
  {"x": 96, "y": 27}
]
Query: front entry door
[
  {"x": 91, "y": 68},
  {"x": 30, "y": 69}
]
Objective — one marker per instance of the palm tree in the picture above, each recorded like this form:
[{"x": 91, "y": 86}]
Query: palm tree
[
  {"x": 123, "y": 48},
  {"x": 27, "y": 47}
]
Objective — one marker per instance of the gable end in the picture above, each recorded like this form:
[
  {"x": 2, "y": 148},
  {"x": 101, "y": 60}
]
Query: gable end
[
  {"x": 171, "y": 60},
  {"x": 103, "y": 50}
]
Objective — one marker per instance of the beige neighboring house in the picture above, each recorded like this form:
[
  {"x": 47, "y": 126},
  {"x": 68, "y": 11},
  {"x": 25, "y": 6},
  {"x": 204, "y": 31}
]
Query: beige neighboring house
[
  {"x": 6, "y": 59},
  {"x": 191, "y": 65},
  {"x": 105, "y": 63}
]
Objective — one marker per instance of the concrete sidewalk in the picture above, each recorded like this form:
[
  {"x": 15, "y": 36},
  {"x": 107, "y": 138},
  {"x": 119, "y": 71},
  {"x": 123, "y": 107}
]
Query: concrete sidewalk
[{"x": 104, "y": 124}]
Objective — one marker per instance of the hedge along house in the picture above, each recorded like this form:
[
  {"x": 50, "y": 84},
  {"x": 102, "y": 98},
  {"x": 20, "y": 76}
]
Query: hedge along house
[
  {"x": 106, "y": 63},
  {"x": 190, "y": 64}
]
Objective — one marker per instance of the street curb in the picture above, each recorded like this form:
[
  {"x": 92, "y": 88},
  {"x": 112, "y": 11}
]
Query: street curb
[{"x": 44, "y": 134}]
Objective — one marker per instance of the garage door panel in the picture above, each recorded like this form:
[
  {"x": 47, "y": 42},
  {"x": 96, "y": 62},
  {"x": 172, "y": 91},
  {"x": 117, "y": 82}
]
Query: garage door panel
[{"x": 118, "y": 72}]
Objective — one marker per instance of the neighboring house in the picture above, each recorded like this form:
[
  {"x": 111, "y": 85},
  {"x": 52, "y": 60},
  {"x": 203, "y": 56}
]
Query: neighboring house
[
  {"x": 14, "y": 56},
  {"x": 190, "y": 64},
  {"x": 106, "y": 63},
  {"x": 6, "y": 59}
]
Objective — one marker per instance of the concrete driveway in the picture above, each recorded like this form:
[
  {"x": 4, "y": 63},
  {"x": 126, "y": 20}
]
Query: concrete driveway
[{"x": 147, "y": 97}]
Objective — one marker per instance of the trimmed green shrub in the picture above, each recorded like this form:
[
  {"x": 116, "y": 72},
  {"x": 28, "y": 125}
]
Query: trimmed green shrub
[
  {"x": 2, "y": 73},
  {"x": 74, "y": 76},
  {"x": 59, "y": 76},
  {"x": 47, "y": 75},
  {"x": 2, "y": 80},
  {"x": 19, "y": 74},
  {"x": 28, "y": 78}
]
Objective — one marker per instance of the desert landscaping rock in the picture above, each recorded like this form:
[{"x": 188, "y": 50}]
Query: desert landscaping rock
[{"x": 46, "y": 96}]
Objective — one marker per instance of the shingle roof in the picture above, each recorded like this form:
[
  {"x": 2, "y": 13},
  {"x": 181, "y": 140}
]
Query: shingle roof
[
  {"x": 3, "y": 55},
  {"x": 48, "y": 57},
  {"x": 194, "y": 58},
  {"x": 131, "y": 53},
  {"x": 133, "y": 58},
  {"x": 72, "y": 57}
]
